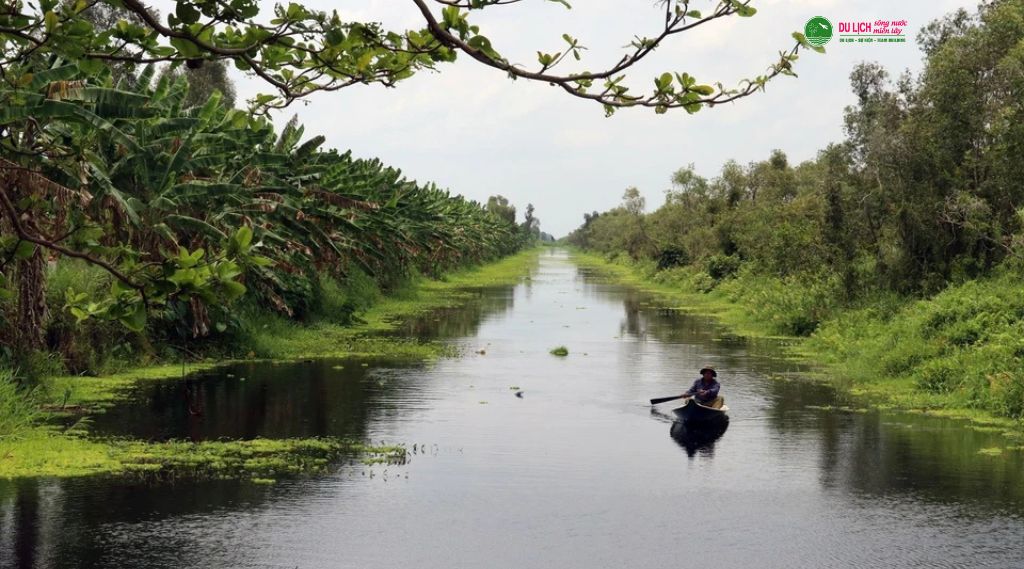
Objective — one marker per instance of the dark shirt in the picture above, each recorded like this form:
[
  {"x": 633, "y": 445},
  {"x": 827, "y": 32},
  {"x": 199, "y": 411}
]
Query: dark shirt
[{"x": 710, "y": 388}]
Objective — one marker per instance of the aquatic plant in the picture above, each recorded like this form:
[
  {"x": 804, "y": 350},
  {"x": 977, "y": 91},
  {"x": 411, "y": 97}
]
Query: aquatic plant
[{"x": 257, "y": 460}]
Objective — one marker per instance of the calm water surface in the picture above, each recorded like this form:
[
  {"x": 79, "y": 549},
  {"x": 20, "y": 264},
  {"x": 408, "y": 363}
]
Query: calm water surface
[{"x": 577, "y": 472}]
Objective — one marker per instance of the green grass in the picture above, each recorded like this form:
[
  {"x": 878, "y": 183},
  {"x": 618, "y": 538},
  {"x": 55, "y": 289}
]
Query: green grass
[
  {"x": 274, "y": 337},
  {"x": 19, "y": 408},
  {"x": 962, "y": 348},
  {"x": 683, "y": 288},
  {"x": 103, "y": 391}
]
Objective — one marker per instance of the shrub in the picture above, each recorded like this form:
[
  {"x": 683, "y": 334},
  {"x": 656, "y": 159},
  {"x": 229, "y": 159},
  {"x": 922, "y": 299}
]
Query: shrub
[
  {"x": 672, "y": 257},
  {"x": 85, "y": 347},
  {"x": 791, "y": 305},
  {"x": 940, "y": 376},
  {"x": 339, "y": 301},
  {"x": 722, "y": 266}
]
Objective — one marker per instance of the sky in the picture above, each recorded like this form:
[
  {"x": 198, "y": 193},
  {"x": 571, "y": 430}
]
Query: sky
[{"x": 472, "y": 130}]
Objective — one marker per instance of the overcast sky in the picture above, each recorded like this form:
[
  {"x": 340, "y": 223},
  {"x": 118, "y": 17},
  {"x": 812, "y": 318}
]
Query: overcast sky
[{"x": 471, "y": 129}]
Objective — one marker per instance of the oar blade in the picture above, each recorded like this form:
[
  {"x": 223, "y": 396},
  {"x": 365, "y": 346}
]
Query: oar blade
[{"x": 664, "y": 399}]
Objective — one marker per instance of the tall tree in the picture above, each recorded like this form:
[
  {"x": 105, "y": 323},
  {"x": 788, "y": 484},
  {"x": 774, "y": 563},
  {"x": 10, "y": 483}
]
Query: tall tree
[
  {"x": 500, "y": 207},
  {"x": 203, "y": 80}
]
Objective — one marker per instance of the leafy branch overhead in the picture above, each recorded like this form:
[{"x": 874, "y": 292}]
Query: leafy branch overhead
[{"x": 299, "y": 51}]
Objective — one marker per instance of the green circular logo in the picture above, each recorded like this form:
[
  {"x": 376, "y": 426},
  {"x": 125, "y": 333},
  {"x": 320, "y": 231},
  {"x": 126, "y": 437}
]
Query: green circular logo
[{"x": 818, "y": 30}]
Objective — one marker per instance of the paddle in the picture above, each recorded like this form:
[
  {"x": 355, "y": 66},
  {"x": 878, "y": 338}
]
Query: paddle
[{"x": 664, "y": 399}]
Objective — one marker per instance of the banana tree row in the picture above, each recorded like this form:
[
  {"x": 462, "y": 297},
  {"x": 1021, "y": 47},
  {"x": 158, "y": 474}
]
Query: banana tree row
[{"x": 199, "y": 205}]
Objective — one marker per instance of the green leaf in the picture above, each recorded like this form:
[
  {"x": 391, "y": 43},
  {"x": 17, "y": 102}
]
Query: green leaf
[
  {"x": 483, "y": 44},
  {"x": 135, "y": 319},
  {"x": 242, "y": 238},
  {"x": 185, "y": 47},
  {"x": 25, "y": 250},
  {"x": 233, "y": 290},
  {"x": 663, "y": 82},
  {"x": 186, "y": 12},
  {"x": 51, "y": 21}
]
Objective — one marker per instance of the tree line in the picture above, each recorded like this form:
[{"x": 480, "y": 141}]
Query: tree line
[{"x": 925, "y": 189}]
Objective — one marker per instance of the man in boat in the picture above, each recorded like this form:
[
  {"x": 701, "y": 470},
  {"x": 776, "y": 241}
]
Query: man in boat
[{"x": 705, "y": 389}]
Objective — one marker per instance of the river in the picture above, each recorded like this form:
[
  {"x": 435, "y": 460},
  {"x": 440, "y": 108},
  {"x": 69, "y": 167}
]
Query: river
[{"x": 522, "y": 459}]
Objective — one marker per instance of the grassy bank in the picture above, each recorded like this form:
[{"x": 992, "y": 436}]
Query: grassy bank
[
  {"x": 32, "y": 445},
  {"x": 956, "y": 354}
]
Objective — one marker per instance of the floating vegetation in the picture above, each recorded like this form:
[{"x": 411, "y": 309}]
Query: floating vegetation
[
  {"x": 838, "y": 408},
  {"x": 560, "y": 351},
  {"x": 260, "y": 460}
]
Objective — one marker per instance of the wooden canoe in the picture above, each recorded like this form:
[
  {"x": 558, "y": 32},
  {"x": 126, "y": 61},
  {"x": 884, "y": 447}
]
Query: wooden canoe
[{"x": 694, "y": 413}]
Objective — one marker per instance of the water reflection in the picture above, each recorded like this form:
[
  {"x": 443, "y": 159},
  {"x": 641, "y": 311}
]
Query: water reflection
[
  {"x": 463, "y": 320},
  {"x": 694, "y": 441},
  {"x": 334, "y": 398}
]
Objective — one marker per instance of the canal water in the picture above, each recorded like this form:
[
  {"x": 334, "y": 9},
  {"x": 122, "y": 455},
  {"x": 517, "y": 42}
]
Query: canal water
[{"x": 522, "y": 459}]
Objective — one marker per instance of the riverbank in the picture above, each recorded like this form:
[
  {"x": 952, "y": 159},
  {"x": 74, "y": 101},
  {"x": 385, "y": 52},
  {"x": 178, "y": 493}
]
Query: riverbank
[
  {"x": 954, "y": 355},
  {"x": 58, "y": 442}
]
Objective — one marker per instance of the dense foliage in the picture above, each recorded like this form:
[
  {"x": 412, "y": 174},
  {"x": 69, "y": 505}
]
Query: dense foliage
[
  {"x": 924, "y": 193},
  {"x": 181, "y": 210}
]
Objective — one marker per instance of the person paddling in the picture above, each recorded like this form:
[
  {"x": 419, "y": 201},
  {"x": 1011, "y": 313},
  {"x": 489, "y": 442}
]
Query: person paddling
[{"x": 705, "y": 389}]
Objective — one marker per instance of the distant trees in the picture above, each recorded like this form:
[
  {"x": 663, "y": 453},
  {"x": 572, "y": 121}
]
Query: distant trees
[
  {"x": 500, "y": 207},
  {"x": 203, "y": 81},
  {"x": 531, "y": 225},
  {"x": 926, "y": 188}
]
